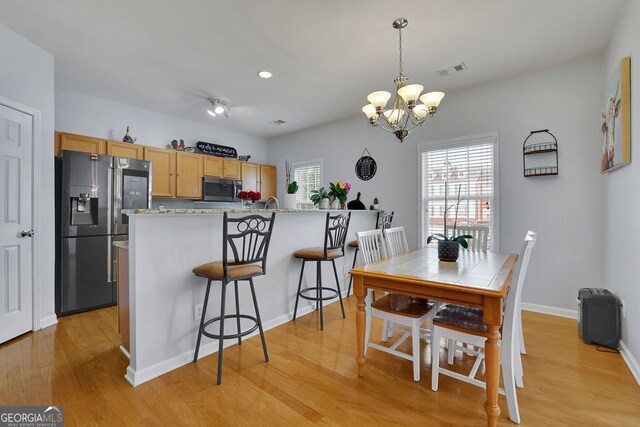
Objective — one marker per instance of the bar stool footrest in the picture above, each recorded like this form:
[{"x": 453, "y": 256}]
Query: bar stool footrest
[
  {"x": 230, "y": 336},
  {"x": 334, "y": 293}
]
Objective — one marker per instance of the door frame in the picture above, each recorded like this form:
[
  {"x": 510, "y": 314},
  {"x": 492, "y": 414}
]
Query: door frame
[{"x": 36, "y": 132}]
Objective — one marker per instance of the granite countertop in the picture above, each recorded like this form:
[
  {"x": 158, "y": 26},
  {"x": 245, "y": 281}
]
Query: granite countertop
[
  {"x": 122, "y": 244},
  {"x": 196, "y": 211}
]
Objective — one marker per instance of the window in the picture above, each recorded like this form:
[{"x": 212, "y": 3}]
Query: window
[
  {"x": 470, "y": 166},
  {"x": 308, "y": 175}
]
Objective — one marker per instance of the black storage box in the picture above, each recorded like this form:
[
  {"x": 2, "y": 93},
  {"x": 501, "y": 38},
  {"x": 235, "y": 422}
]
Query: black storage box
[{"x": 599, "y": 317}]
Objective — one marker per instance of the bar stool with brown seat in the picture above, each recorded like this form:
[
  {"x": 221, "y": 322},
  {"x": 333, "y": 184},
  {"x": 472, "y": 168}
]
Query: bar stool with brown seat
[
  {"x": 382, "y": 224},
  {"x": 335, "y": 235},
  {"x": 249, "y": 243}
]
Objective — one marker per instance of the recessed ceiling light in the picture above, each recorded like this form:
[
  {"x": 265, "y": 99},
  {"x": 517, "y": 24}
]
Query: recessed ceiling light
[{"x": 264, "y": 74}]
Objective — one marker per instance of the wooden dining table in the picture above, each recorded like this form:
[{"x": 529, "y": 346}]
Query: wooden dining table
[{"x": 477, "y": 279}]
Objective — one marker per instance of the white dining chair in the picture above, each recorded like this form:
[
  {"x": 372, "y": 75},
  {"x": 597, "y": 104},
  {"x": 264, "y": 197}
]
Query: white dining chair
[
  {"x": 480, "y": 233},
  {"x": 464, "y": 324},
  {"x": 398, "y": 310},
  {"x": 396, "y": 241}
]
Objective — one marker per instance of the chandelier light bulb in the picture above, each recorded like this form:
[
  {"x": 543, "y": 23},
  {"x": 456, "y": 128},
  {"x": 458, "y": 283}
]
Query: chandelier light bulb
[
  {"x": 394, "y": 116},
  {"x": 379, "y": 99},
  {"x": 432, "y": 99},
  {"x": 410, "y": 94},
  {"x": 420, "y": 111},
  {"x": 370, "y": 111}
]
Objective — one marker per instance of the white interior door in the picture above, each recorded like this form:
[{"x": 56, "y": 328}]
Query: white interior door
[{"x": 16, "y": 221}]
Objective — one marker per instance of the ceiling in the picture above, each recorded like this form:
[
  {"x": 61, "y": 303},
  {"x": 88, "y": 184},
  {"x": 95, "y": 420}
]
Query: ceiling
[{"x": 325, "y": 56}]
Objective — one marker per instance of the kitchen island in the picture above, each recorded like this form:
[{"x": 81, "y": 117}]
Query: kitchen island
[{"x": 163, "y": 294}]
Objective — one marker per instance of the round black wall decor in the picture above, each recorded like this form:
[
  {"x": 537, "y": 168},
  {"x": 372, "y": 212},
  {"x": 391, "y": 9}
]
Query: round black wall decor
[{"x": 366, "y": 166}]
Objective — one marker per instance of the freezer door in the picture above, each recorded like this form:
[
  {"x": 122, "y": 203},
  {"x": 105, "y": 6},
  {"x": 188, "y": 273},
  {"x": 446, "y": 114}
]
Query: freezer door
[
  {"x": 86, "y": 274},
  {"x": 131, "y": 190},
  {"x": 84, "y": 194}
]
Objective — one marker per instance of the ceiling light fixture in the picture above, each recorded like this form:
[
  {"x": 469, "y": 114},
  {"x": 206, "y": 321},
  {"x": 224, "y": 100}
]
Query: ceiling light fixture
[
  {"x": 264, "y": 74},
  {"x": 406, "y": 113},
  {"x": 219, "y": 106}
]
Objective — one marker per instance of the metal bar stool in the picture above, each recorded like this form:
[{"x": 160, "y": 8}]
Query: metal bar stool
[
  {"x": 249, "y": 243},
  {"x": 381, "y": 223},
  {"x": 335, "y": 235}
]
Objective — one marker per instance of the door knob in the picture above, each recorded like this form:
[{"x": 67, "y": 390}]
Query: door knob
[{"x": 27, "y": 233}]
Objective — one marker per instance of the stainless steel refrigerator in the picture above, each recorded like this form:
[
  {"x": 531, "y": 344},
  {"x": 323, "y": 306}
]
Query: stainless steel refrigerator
[{"x": 91, "y": 192}]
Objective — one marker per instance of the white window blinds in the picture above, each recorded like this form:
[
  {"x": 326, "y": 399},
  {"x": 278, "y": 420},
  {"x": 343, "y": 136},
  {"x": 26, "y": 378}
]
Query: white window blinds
[
  {"x": 309, "y": 177},
  {"x": 469, "y": 167}
]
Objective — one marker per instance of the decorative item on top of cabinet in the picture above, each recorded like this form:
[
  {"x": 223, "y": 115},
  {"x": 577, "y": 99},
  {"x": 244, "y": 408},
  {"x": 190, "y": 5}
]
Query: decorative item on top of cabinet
[
  {"x": 545, "y": 147},
  {"x": 124, "y": 149},
  {"x": 244, "y": 158},
  {"x": 366, "y": 166},
  {"x": 128, "y": 138},
  {"x": 216, "y": 149},
  {"x": 178, "y": 146},
  {"x": 163, "y": 164}
]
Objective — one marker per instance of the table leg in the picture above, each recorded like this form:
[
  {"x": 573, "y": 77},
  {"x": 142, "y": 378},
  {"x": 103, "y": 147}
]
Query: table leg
[
  {"x": 493, "y": 319},
  {"x": 359, "y": 292}
]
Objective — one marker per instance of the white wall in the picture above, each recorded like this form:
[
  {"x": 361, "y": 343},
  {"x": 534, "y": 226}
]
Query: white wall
[
  {"x": 26, "y": 76},
  {"x": 565, "y": 210},
  {"x": 102, "y": 118},
  {"x": 622, "y": 189}
]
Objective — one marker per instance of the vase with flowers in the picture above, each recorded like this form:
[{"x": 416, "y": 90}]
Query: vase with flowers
[
  {"x": 249, "y": 198},
  {"x": 338, "y": 192},
  {"x": 449, "y": 246},
  {"x": 292, "y": 187}
]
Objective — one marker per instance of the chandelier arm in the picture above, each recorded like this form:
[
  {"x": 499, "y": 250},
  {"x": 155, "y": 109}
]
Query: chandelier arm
[
  {"x": 382, "y": 122},
  {"x": 400, "y": 49}
]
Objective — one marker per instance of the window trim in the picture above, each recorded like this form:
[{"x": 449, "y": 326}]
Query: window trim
[
  {"x": 462, "y": 141},
  {"x": 302, "y": 163}
]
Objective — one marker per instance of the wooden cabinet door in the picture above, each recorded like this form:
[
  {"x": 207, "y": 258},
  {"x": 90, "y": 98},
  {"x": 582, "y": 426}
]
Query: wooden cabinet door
[
  {"x": 163, "y": 165},
  {"x": 88, "y": 144},
  {"x": 250, "y": 176},
  {"x": 123, "y": 149},
  {"x": 232, "y": 169},
  {"x": 267, "y": 181},
  {"x": 213, "y": 166},
  {"x": 189, "y": 176}
]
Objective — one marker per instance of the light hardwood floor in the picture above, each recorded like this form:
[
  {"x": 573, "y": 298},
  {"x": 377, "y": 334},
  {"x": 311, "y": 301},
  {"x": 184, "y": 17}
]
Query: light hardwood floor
[{"x": 311, "y": 379}]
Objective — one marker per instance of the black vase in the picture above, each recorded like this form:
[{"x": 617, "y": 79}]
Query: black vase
[{"x": 448, "y": 250}]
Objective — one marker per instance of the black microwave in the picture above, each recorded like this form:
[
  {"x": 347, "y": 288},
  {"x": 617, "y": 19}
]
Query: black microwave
[{"x": 220, "y": 189}]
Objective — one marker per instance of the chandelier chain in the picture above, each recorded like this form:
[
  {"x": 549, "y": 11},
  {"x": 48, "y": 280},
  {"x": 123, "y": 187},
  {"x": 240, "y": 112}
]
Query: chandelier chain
[{"x": 400, "y": 44}]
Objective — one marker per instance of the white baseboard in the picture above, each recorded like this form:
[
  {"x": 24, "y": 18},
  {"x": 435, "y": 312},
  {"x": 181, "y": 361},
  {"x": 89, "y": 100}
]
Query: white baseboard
[
  {"x": 631, "y": 362},
  {"x": 45, "y": 322},
  {"x": 547, "y": 309},
  {"x": 137, "y": 377}
]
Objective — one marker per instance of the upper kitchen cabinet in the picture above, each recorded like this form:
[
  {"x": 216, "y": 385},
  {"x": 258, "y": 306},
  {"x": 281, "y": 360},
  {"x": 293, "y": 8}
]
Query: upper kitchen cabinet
[
  {"x": 163, "y": 165},
  {"x": 189, "y": 175},
  {"x": 213, "y": 166},
  {"x": 250, "y": 176},
  {"x": 123, "y": 149},
  {"x": 267, "y": 181},
  {"x": 88, "y": 144},
  {"x": 232, "y": 169}
]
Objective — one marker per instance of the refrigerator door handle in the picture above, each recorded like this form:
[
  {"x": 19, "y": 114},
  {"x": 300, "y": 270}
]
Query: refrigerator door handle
[
  {"x": 117, "y": 195},
  {"x": 110, "y": 213},
  {"x": 109, "y": 260}
]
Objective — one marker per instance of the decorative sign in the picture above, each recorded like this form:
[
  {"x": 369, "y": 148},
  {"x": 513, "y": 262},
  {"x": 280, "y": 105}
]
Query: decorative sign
[
  {"x": 216, "y": 150},
  {"x": 366, "y": 166}
]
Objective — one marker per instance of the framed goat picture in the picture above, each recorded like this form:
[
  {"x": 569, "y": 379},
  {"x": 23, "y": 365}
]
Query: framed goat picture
[{"x": 616, "y": 119}]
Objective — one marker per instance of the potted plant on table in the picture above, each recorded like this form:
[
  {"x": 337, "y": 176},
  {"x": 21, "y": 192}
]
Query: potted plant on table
[
  {"x": 292, "y": 188},
  {"x": 320, "y": 198},
  {"x": 449, "y": 246},
  {"x": 249, "y": 198},
  {"x": 338, "y": 192}
]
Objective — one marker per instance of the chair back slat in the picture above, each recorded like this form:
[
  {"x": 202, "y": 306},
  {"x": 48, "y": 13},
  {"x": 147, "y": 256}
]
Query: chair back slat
[
  {"x": 480, "y": 235},
  {"x": 336, "y": 229},
  {"x": 396, "y": 241},
  {"x": 514, "y": 297},
  {"x": 248, "y": 237},
  {"x": 372, "y": 246}
]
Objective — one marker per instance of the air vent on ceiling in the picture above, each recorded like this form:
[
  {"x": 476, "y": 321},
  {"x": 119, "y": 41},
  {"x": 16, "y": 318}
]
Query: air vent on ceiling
[
  {"x": 452, "y": 70},
  {"x": 277, "y": 122}
]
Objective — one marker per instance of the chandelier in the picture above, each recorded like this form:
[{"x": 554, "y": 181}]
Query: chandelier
[{"x": 406, "y": 114}]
